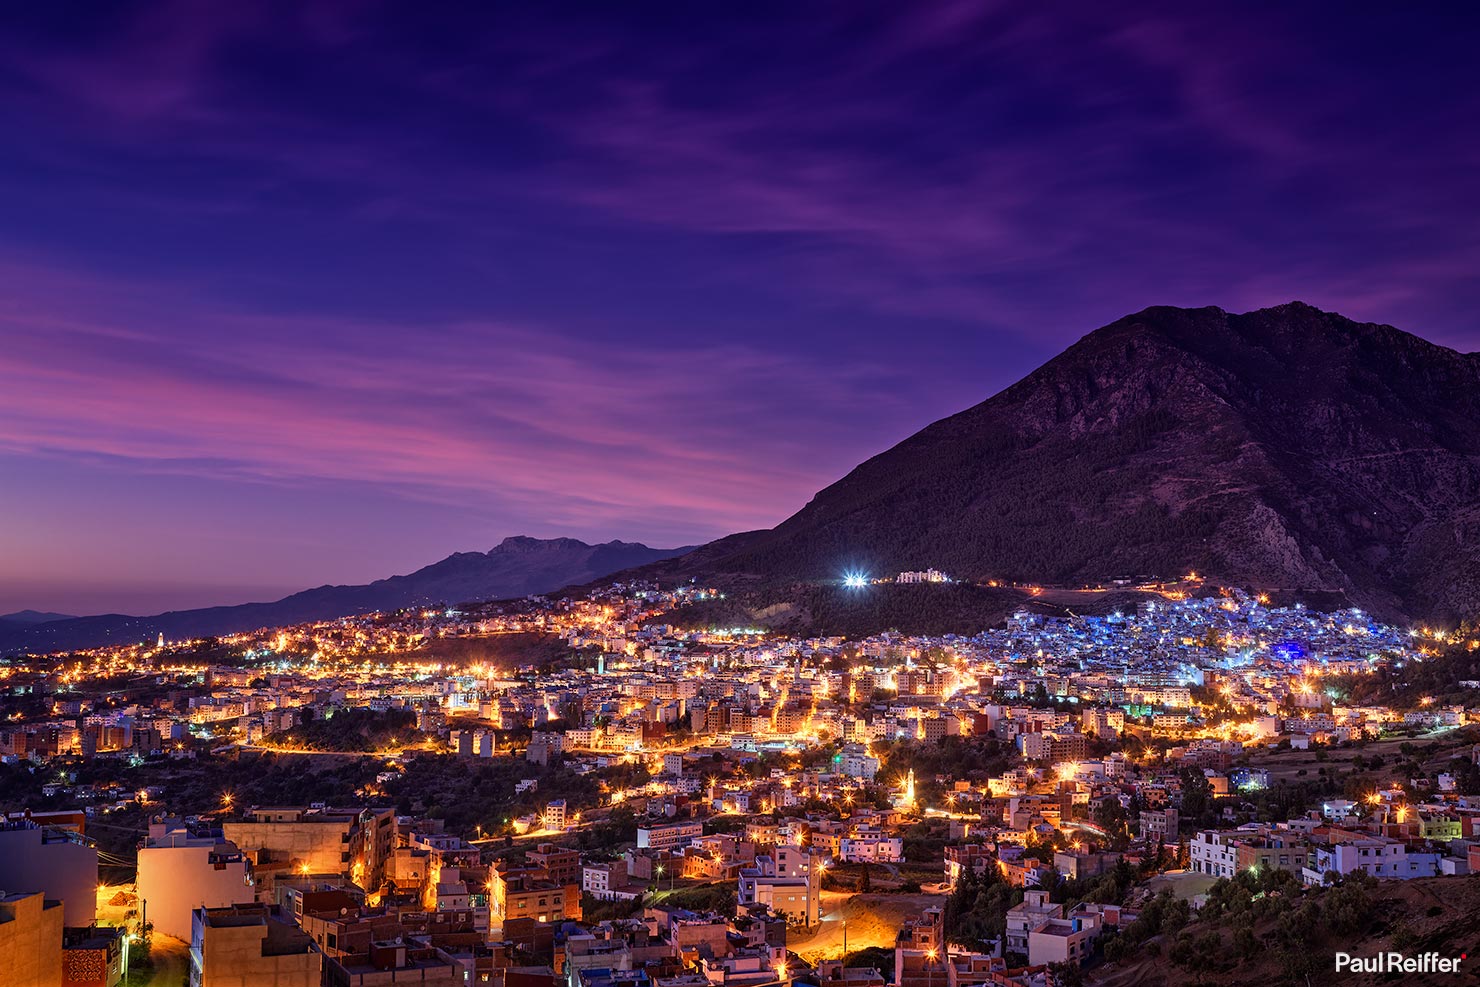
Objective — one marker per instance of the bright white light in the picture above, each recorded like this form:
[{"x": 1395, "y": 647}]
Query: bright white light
[{"x": 855, "y": 580}]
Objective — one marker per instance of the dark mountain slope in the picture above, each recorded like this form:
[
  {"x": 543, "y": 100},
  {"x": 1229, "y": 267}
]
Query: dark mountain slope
[
  {"x": 1283, "y": 448},
  {"x": 32, "y": 617},
  {"x": 518, "y": 566}
]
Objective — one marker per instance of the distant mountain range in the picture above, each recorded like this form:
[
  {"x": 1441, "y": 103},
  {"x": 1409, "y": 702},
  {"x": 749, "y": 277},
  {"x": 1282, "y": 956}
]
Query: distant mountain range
[
  {"x": 32, "y": 617},
  {"x": 518, "y": 566},
  {"x": 1286, "y": 448}
]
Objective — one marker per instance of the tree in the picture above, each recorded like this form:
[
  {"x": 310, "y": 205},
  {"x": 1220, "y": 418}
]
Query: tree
[
  {"x": 1245, "y": 944},
  {"x": 1110, "y": 816},
  {"x": 1466, "y": 775},
  {"x": 976, "y": 910},
  {"x": 1067, "y": 974},
  {"x": 1196, "y": 793},
  {"x": 1349, "y": 905}
]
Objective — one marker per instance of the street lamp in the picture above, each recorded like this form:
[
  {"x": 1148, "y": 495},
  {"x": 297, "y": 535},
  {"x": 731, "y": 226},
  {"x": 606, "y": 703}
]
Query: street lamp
[{"x": 930, "y": 969}]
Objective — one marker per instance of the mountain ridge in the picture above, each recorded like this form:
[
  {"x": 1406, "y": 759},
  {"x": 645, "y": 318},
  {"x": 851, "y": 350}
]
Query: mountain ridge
[
  {"x": 33, "y": 617},
  {"x": 1285, "y": 448},
  {"x": 518, "y": 566}
]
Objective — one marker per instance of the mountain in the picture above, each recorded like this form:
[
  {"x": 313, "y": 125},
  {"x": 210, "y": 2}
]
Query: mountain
[
  {"x": 1286, "y": 448},
  {"x": 32, "y": 617},
  {"x": 518, "y": 566}
]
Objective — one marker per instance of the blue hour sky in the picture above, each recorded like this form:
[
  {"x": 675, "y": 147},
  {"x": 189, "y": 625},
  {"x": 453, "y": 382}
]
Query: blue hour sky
[{"x": 316, "y": 292}]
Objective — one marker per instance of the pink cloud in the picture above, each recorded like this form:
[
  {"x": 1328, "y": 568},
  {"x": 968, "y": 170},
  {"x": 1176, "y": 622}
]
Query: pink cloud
[{"x": 578, "y": 432}]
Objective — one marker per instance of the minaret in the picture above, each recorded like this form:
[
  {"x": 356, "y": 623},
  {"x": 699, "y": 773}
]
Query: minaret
[{"x": 909, "y": 788}]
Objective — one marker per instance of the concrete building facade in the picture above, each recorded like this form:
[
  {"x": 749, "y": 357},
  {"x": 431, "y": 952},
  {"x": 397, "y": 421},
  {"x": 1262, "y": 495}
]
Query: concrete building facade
[
  {"x": 251, "y": 946},
  {"x": 179, "y": 873},
  {"x": 30, "y": 940}
]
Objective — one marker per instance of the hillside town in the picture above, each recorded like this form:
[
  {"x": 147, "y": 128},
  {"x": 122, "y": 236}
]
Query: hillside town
[{"x": 646, "y": 803}]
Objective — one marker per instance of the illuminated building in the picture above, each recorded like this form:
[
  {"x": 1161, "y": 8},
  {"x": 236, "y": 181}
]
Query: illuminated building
[{"x": 30, "y": 940}]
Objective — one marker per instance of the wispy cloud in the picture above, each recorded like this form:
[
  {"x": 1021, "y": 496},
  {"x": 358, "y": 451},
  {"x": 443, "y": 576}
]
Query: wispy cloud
[{"x": 573, "y": 431}]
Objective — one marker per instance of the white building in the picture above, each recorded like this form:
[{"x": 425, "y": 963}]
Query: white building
[
  {"x": 1377, "y": 855},
  {"x": 799, "y": 896},
  {"x": 179, "y": 873},
  {"x": 668, "y": 836},
  {"x": 1102, "y": 722},
  {"x": 858, "y": 763},
  {"x": 1214, "y": 853},
  {"x": 597, "y": 879},
  {"x": 1032, "y": 912},
  {"x": 53, "y": 860},
  {"x": 584, "y": 737},
  {"x": 871, "y": 849}
]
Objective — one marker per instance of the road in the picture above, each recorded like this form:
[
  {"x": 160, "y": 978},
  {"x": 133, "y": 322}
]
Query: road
[
  {"x": 171, "y": 956},
  {"x": 171, "y": 965},
  {"x": 398, "y": 752}
]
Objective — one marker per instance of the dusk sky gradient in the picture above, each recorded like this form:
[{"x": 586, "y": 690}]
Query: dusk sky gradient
[{"x": 307, "y": 292}]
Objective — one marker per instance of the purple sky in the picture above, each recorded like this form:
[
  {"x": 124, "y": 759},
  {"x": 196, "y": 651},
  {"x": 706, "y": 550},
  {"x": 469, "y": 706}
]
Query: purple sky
[{"x": 308, "y": 292}]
